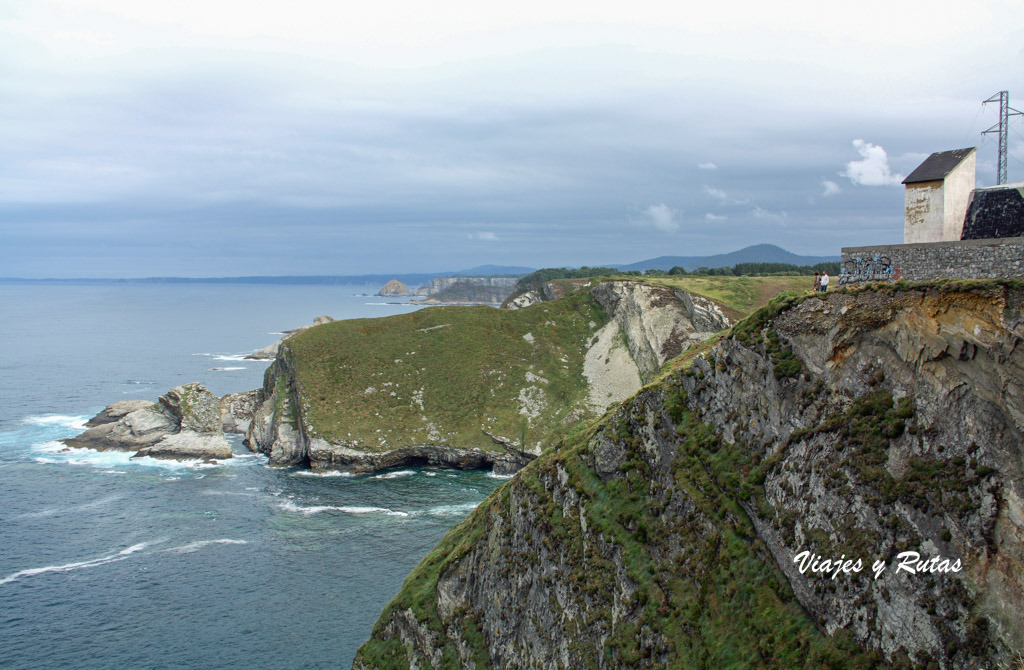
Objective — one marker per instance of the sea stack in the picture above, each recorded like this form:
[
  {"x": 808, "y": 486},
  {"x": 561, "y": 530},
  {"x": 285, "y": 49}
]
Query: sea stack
[{"x": 394, "y": 288}]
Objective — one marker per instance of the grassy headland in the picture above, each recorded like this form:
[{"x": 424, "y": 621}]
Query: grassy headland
[{"x": 448, "y": 374}]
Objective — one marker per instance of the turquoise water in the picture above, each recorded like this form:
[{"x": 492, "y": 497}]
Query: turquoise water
[{"x": 109, "y": 562}]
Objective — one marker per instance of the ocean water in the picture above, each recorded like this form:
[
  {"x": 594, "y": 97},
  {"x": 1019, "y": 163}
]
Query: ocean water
[{"x": 109, "y": 562}]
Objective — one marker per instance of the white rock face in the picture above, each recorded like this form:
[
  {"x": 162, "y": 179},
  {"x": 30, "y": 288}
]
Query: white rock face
[
  {"x": 611, "y": 372},
  {"x": 658, "y": 322},
  {"x": 524, "y": 300}
]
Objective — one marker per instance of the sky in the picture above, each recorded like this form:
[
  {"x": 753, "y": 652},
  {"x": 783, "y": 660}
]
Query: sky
[{"x": 224, "y": 138}]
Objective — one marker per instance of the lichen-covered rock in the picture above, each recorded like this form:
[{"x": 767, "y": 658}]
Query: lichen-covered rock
[
  {"x": 112, "y": 413},
  {"x": 238, "y": 409},
  {"x": 189, "y": 445},
  {"x": 186, "y": 423},
  {"x": 194, "y": 408}
]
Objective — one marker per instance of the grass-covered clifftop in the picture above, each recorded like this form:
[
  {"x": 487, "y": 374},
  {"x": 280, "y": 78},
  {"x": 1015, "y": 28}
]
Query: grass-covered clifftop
[
  {"x": 447, "y": 375},
  {"x": 862, "y": 422},
  {"x": 736, "y": 296}
]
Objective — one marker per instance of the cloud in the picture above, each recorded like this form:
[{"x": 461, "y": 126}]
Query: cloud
[
  {"x": 723, "y": 197},
  {"x": 707, "y": 166},
  {"x": 662, "y": 217},
  {"x": 715, "y": 217},
  {"x": 831, "y": 188},
  {"x": 485, "y": 235},
  {"x": 716, "y": 193},
  {"x": 873, "y": 168},
  {"x": 763, "y": 214}
]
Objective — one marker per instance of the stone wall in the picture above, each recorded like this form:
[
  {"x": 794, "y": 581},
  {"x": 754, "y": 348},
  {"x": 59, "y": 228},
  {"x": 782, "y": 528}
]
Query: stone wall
[
  {"x": 965, "y": 259},
  {"x": 997, "y": 211}
]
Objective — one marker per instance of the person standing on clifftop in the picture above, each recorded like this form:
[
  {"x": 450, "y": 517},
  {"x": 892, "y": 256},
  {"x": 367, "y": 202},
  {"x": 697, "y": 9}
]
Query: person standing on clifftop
[
  {"x": 824, "y": 282},
  {"x": 817, "y": 281}
]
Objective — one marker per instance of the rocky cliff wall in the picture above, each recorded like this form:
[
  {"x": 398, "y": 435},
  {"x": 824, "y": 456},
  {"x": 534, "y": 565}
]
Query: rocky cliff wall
[
  {"x": 855, "y": 426},
  {"x": 441, "y": 283}
]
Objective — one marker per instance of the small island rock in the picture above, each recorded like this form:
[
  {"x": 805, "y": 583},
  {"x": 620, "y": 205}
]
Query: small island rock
[
  {"x": 185, "y": 423},
  {"x": 394, "y": 288}
]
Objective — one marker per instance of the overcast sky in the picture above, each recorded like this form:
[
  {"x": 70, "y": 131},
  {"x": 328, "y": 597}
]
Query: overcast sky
[{"x": 219, "y": 138}]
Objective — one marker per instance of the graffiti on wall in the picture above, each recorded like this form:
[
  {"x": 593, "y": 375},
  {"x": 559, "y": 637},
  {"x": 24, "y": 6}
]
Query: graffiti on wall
[{"x": 861, "y": 270}]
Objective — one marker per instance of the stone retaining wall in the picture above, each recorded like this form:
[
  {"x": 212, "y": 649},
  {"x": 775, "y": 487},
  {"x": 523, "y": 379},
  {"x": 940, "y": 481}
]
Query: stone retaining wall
[{"x": 965, "y": 259}]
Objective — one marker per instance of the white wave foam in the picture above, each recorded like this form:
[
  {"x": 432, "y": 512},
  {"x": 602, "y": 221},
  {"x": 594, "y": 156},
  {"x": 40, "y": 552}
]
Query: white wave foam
[
  {"x": 395, "y": 474},
  {"x": 119, "y": 556},
  {"x": 203, "y": 354},
  {"x": 453, "y": 510},
  {"x": 225, "y": 369},
  {"x": 289, "y": 506},
  {"x": 326, "y": 473},
  {"x": 494, "y": 475},
  {"x": 58, "y": 453},
  {"x": 63, "y": 420},
  {"x": 231, "y": 357},
  {"x": 195, "y": 546}
]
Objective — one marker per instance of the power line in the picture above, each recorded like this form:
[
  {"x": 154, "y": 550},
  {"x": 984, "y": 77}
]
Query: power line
[{"x": 1005, "y": 112}]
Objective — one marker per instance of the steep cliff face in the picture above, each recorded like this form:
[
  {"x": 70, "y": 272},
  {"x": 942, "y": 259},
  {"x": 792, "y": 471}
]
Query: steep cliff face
[
  {"x": 854, "y": 426},
  {"x": 441, "y": 283},
  {"x": 464, "y": 387},
  {"x": 658, "y": 322}
]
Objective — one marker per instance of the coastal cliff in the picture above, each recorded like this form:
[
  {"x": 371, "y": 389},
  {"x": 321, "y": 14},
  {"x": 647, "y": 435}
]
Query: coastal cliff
[
  {"x": 466, "y": 387},
  {"x": 690, "y": 527}
]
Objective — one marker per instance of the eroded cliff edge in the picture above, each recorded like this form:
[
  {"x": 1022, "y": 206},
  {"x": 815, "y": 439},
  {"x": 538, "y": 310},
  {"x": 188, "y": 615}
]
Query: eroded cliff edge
[{"x": 858, "y": 424}]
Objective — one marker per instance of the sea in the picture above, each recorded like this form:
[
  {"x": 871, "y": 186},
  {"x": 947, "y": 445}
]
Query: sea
[{"x": 109, "y": 562}]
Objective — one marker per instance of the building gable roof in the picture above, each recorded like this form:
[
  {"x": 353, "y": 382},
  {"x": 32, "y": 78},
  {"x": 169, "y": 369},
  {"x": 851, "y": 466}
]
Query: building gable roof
[{"x": 938, "y": 165}]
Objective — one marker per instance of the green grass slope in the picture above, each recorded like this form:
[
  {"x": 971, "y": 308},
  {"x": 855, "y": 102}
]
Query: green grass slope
[{"x": 445, "y": 375}]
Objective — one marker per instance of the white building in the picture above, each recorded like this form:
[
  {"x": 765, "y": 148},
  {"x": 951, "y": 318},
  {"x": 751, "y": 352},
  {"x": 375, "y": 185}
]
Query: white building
[{"x": 937, "y": 195}]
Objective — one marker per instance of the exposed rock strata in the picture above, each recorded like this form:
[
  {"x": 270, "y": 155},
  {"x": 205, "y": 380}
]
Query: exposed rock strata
[
  {"x": 860, "y": 425},
  {"x": 185, "y": 423},
  {"x": 441, "y": 283},
  {"x": 658, "y": 322},
  {"x": 552, "y": 290}
]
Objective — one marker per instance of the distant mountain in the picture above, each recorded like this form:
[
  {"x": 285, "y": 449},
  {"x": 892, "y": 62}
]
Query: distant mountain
[
  {"x": 758, "y": 253},
  {"x": 496, "y": 271}
]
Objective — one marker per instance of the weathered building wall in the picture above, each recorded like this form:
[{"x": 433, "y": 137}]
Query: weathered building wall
[
  {"x": 956, "y": 196},
  {"x": 924, "y": 202},
  {"x": 967, "y": 259}
]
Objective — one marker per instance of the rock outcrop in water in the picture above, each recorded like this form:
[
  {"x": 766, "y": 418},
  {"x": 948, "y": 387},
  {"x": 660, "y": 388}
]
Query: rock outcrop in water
[
  {"x": 394, "y": 288},
  {"x": 188, "y": 422},
  {"x": 879, "y": 425}
]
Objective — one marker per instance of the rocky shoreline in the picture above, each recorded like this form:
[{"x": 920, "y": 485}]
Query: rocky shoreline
[{"x": 188, "y": 422}]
